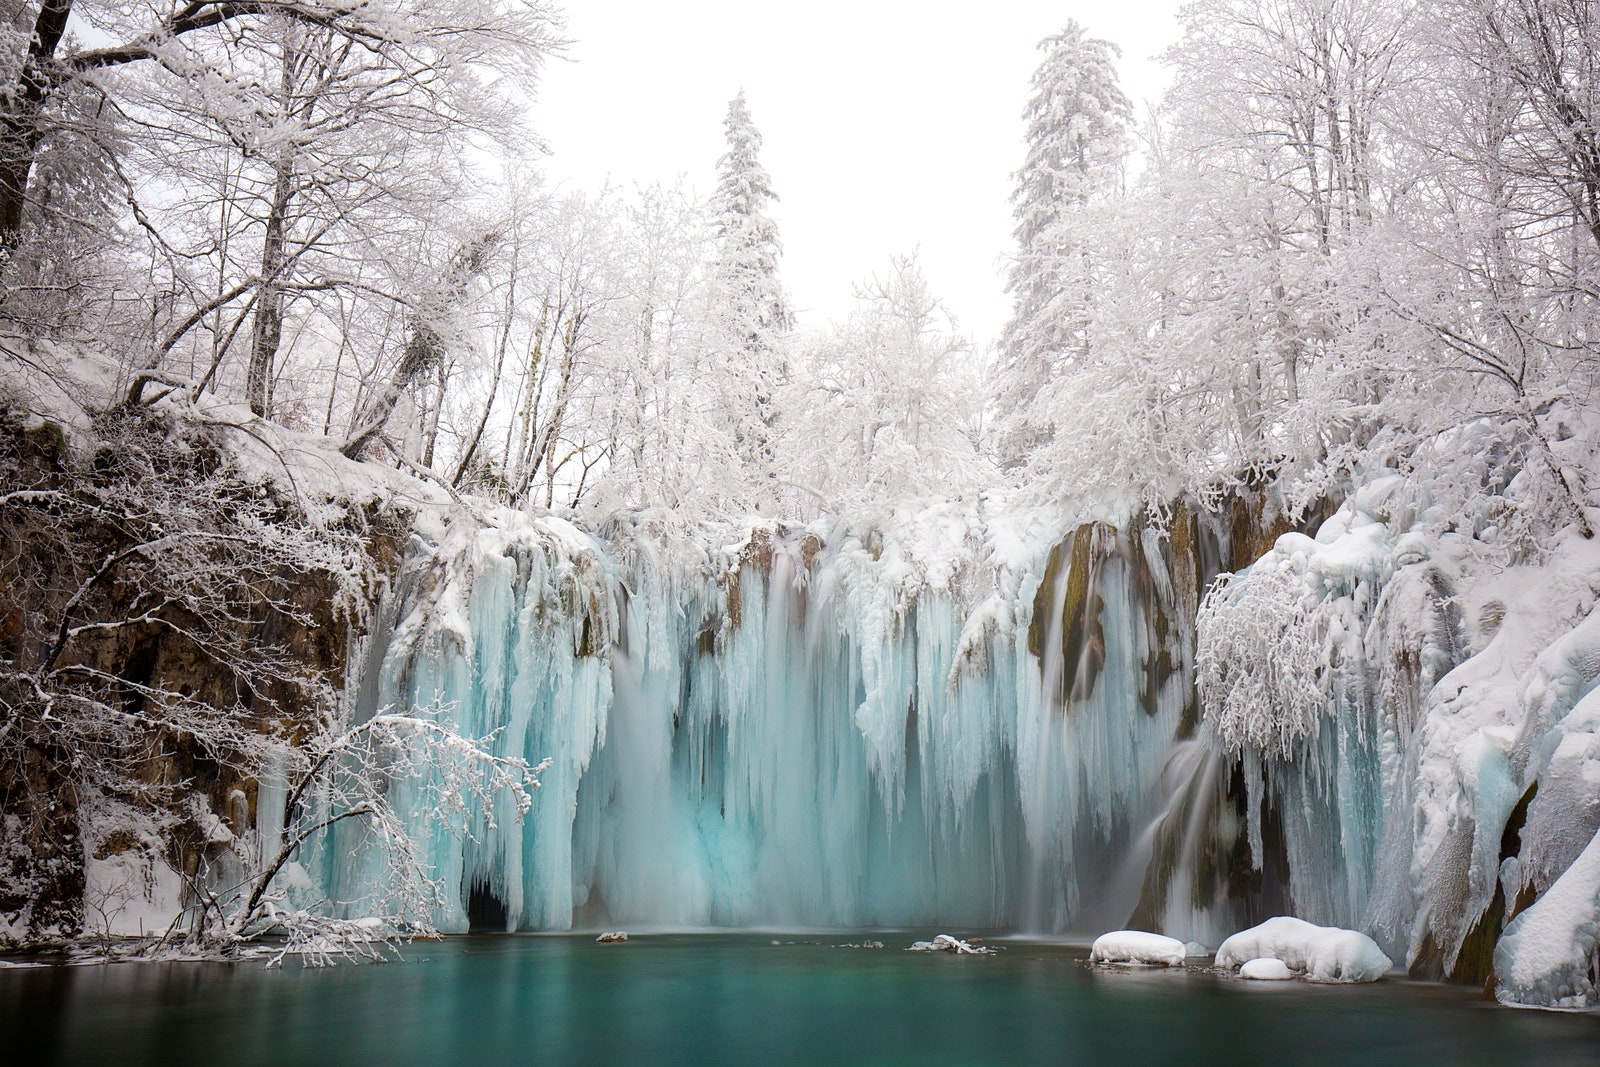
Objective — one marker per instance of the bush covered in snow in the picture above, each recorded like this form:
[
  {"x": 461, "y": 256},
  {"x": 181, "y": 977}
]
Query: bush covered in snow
[{"x": 1274, "y": 640}]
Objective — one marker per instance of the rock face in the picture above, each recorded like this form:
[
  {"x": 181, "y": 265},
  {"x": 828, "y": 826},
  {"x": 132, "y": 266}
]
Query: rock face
[
  {"x": 131, "y": 604},
  {"x": 1550, "y": 954}
]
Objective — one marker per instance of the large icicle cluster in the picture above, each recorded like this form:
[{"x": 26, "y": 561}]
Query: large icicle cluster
[
  {"x": 1409, "y": 702},
  {"x": 1290, "y": 652},
  {"x": 821, "y": 726}
]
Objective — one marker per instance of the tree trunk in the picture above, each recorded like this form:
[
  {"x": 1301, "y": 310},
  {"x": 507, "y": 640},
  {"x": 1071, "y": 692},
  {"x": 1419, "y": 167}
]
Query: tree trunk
[
  {"x": 546, "y": 436},
  {"x": 267, "y": 332},
  {"x": 20, "y": 127},
  {"x": 470, "y": 449},
  {"x": 424, "y": 347}
]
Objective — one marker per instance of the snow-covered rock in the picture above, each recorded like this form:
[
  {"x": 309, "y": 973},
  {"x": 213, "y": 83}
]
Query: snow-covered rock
[
  {"x": 1266, "y": 970},
  {"x": 1549, "y": 955},
  {"x": 1137, "y": 946},
  {"x": 946, "y": 943},
  {"x": 1320, "y": 953}
]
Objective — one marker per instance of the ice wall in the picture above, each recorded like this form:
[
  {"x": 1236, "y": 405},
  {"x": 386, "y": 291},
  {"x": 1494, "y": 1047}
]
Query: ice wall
[
  {"x": 1406, "y": 697},
  {"x": 825, "y": 726}
]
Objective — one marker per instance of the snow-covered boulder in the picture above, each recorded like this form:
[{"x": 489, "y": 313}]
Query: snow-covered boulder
[
  {"x": 1319, "y": 953},
  {"x": 1266, "y": 970},
  {"x": 1548, "y": 955},
  {"x": 1136, "y": 946}
]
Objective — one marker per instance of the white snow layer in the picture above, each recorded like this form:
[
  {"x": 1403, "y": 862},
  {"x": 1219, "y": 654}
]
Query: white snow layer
[
  {"x": 1550, "y": 954},
  {"x": 131, "y": 894},
  {"x": 1266, "y": 970},
  {"x": 1137, "y": 946},
  {"x": 1319, "y": 953}
]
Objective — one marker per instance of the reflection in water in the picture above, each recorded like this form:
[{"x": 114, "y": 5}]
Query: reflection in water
[{"x": 737, "y": 999}]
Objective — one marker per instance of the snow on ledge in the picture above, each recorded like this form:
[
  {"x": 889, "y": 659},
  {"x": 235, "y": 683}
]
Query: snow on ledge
[
  {"x": 1318, "y": 953},
  {"x": 1137, "y": 946}
]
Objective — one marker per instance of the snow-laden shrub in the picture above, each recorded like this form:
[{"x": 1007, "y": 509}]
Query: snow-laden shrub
[
  {"x": 1259, "y": 662},
  {"x": 1274, "y": 641}
]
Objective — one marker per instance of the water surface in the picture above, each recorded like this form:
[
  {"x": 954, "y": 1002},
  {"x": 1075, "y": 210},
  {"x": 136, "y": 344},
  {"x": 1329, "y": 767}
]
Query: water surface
[{"x": 738, "y": 998}]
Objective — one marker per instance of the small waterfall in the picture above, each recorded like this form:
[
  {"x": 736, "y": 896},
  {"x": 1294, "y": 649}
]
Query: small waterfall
[{"x": 1150, "y": 886}]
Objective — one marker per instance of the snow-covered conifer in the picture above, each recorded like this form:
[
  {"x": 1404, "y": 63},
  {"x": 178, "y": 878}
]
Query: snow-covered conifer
[
  {"x": 750, "y": 308},
  {"x": 1077, "y": 138}
]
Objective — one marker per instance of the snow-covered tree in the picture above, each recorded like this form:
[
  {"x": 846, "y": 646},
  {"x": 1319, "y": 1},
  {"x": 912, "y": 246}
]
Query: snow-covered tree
[
  {"x": 1508, "y": 257},
  {"x": 1077, "y": 137},
  {"x": 289, "y": 182},
  {"x": 666, "y": 430},
  {"x": 749, "y": 307},
  {"x": 1227, "y": 318},
  {"x": 894, "y": 387}
]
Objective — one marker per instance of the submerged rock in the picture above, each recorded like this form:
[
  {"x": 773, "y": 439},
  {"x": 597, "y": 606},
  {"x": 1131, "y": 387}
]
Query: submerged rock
[{"x": 946, "y": 943}]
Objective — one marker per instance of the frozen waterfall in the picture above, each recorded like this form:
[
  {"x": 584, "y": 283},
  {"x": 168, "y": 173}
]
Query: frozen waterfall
[
  {"x": 800, "y": 728},
  {"x": 978, "y": 723}
]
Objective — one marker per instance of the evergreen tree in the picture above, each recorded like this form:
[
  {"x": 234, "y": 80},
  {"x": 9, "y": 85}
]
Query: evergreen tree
[
  {"x": 1077, "y": 138},
  {"x": 751, "y": 310}
]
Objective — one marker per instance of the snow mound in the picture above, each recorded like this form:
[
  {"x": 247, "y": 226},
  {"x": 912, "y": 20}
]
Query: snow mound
[
  {"x": 1136, "y": 946},
  {"x": 1549, "y": 954},
  {"x": 1195, "y": 948},
  {"x": 1320, "y": 953},
  {"x": 1266, "y": 970},
  {"x": 946, "y": 943}
]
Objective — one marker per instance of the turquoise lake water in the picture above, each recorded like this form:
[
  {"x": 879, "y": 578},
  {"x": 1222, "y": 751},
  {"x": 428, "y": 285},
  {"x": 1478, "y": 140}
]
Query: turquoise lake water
[{"x": 739, "y": 999}]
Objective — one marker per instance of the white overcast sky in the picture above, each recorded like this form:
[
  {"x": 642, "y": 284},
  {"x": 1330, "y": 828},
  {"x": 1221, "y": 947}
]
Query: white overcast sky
[{"x": 887, "y": 126}]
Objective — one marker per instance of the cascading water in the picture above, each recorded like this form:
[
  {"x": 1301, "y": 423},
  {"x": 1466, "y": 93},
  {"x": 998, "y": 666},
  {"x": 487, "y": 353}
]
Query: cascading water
[{"x": 794, "y": 730}]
